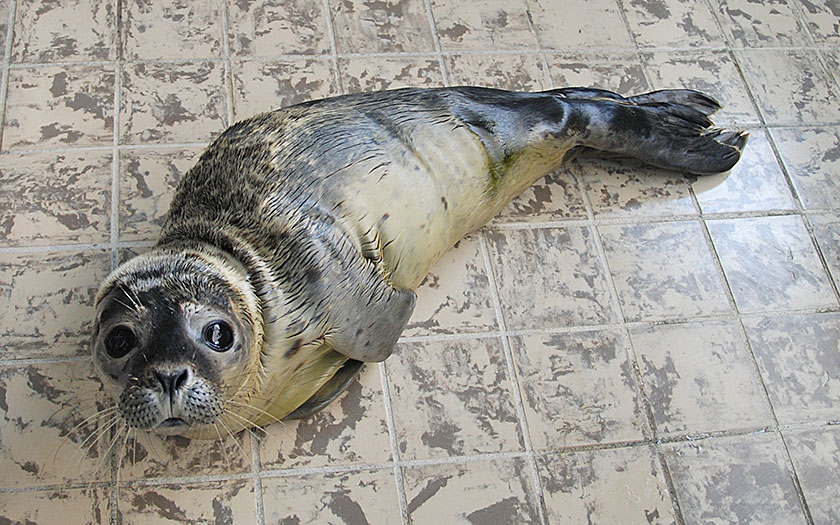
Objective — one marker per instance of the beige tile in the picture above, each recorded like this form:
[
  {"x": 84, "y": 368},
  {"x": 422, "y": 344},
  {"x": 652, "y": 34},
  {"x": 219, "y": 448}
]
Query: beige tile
[
  {"x": 823, "y": 21},
  {"x": 55, "y": 198},
  {"x": 51, "y": 419},
  {"x": 352, "y": 497},
  {"x": 504, "y": 71},
  {"x": 549, "y": 278},
  {"x": 47, "y": 306},
  {"x": 87, "y": 506},
  {"x": 58, "y": 107},
  {"x": 278, "y": 27},
  {"x": 452, "y": 398},
  {"x": 382, "y": 27},
  {"x": 352, "y": 429},
  {"x": 771, "y": 23},
  {"x": 742, "y": 479},
  {"x": 672, "y": 23},
  {"x": 476, "y": 492},
  {"x": 756, "y": 183},
  {"x": 577, "y": 389},
  {"x": 4, "y": 26},
  {"x": 263, "y": 86},
  {"x": 455, "y": 296},
  {"x": 812, "y": 159},
  {"x": 699, "y": 377},
  {"x": 771, "y": 264},
  {"x": 164, "y": 102},
  {"x": 790, "y": 86},
  {"x": 596, "y": 23},
  {"x": 816, "y": 457},
  {"x": 485, "y": 24},
  {"x": 797, "y": 356},
  {"x": 148, "y": 179},
  {"x": 155, "y": 30},
  {"x": 827, "y": 232},
  {"x": 63, "y": 31},
  {"x": 622, "y": 485},
  {"x": 554, "y": 197},
  {"x": 389, "y": 72},
  {"x": 832, "y": 58},
  {"x": 209, "y": 502},
  {"x": 663, "y": 271},
  {"x": 621, "y": 72}
]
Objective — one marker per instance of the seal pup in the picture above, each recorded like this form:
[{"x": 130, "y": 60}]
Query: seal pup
[{"x": 292, "y": 248}]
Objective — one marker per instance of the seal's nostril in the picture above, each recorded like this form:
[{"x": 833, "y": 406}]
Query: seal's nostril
[{"x": 172, "y": 381}]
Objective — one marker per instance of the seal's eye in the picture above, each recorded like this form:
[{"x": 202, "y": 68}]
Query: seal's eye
[
  {"x": 120, "y": 341},
  {"x": 218, "y": 335}
]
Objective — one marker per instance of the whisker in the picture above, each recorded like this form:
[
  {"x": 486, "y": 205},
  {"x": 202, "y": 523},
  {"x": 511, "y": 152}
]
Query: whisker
[
  {"x": 236, "y": 441},
  {"x": 224, "y": 448}
]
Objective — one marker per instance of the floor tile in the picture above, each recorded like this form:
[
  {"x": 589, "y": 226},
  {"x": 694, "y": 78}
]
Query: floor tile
[
  {"x": 380, "y": 73},
  {"x": 596, "y": 23},
  {"x": 59, "y": 107},
  {"x": 798, "y": 358},
  {"x": 74, "y": 30},
  {"x": 699, "y": 377},
  {"x": 577, "y": 389},
  {"x": 823, "y": 20},
  {"x": 382, "y": 27},
  {"x": 77, "y": 506},
  {"x": 832, "y": 58},
  {"x": 770, "y": 23},
  {"x": 455, "y": 296},
  {"x": 621, "y": 72},
  {"x": 264, "y": 86},
  {"x": 496, "y": 492},
  {"x": 209, "y": 502},
  {"x": 743, "y": 479},
  {"x": 672, "y": 23},
  {"x": 756, "y": 183},
  {"x": 4, "y": 26},
  {"x": 623, "y": 485},
  {"x": 790, "y": 86},
  {"x": 164, "y": 102},
  {"x": 147, "y": 183},
  {"x": 493, "y": 24},
  {"x": 153, "y": 30},
  {"x": 816, "y": 457},
  {"x": 452, "y": 398},
  {"x": 549, "y": 278},
  {"x": 771, "y": 264},
  {"x": 663, "y": 271},
  {"x": 48, "y": 302},
  {"x": 827, "y": 232},
  {"x": 554, "y": 197},
  {"x": 353, "y": 497},
  {"x": 55, "y": 198},
  {"x": 812, "y": 160},
  {"x": 278, "y": 27},
  {"x": 503, "y": 71}
]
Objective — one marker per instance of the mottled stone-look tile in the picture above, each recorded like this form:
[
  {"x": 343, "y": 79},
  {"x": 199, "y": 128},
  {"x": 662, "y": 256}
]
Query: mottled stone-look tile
[
  {"x": 769, "y": 23},
  {"x": 382, "y": 26},
  {"x": 799, "y": 358},
  {"x": 672, "y": 23},
  {"x": 57, "y": 198},
  {"x": 699, "y": 377},
  {"x": 351, "y": 429},
  {"x": 812, "y": 159},
  {"x": 711, "y": 72},
  {"x": 455, "y": 296},
  {"x": 277, "y": 27},
  {"x": 771, "y": 264},
  {"x": 47, "y": 302},
  {"x": 554, "y": 197},
  {"x": 495, "y": 492},
  {"x": 816, "y": 457},
  {"x": 504, "y": 71},
  {"x": 823, "y": 20},
  {"x": 48, "y": 424},
  {"x": 756, "y": 183},
  {"x": 571, "y": 24},
  {"x": 742, "y": 479},
  {"x": 621, "y": 72},
  {"x": 452, "y": 398},
  {"x": 790, "y": 86},
  {"x": 58, "y": 31},
  {"x": 148, "y": 179},
  {"x": 264, "y": 86},
  {"x": 76, "y": 506},
  {"x": 57, "y": 107},
  {"x": 209, "y": 502},
  {"x": 622, "y": 485},
  {"x": 352, "y": 497},
  {"x": 663, "y": 271},
  {"x": 154, "y": 30},
  {"x": 827, "y": 232},
  {"x": 485, "y": 24},
  {"x": 577, "y": 388},
  {"x": 164, "y": 102},
  {"x": 549, "y": 277},
  {"x": 379, "y": 73}
]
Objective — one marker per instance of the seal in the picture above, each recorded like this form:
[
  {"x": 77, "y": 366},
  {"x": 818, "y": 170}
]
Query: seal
[{"x": 292, "y": 248}]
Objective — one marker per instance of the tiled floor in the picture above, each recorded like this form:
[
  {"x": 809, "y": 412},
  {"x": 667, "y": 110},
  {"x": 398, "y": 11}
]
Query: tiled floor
[{"x": 621, "y": 345}]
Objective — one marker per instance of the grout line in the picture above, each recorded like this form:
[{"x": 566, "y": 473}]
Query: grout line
[
  {"x": 228, "y": 72},
  {"x": 549, "y": 83},
  {"x": 392, "y": 435},
  {"x": 257, "y": 479},
  {"x": 436, "y": 39},
  {"x": 7, "y": 60},
  {"x": 115, "y": 223},
  {"x": 333, "y": 46}
]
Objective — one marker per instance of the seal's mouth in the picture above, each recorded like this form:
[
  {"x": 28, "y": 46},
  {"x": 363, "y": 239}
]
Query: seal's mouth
[{"x": 172, "y": 422}]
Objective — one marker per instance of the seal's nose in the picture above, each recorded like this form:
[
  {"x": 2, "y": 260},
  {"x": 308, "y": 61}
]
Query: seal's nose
[{"x": 172, "y": 381}]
